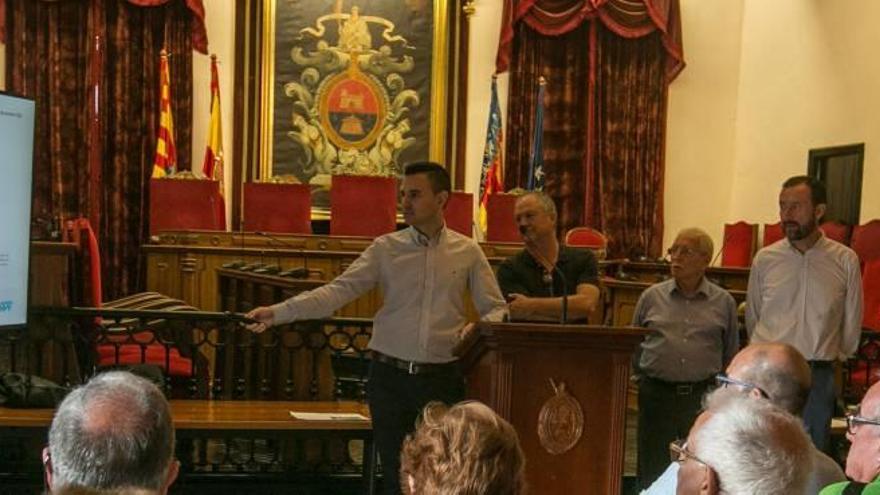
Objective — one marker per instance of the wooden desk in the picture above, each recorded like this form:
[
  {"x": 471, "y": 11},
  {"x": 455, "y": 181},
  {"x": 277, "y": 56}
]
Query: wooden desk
[
  {"x": 730, "y": 278},
  {"x": 184, "y": 264},
  {"x": 200, "y": 425}
]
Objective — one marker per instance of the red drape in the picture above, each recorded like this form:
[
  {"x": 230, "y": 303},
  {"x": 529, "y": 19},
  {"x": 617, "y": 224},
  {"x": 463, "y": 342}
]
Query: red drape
[
  {"x": 199, "y": 33},
  {"x": 626, "y": 18},
  {"x": 95, "y": 160},
  {"x": 608, "y": 64}
]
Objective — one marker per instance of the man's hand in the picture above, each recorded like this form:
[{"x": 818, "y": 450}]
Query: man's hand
[
  {"x": 466, "y": 330},
  {"x": 264, "y": 317},
  {"x": 519, "y": 305}
]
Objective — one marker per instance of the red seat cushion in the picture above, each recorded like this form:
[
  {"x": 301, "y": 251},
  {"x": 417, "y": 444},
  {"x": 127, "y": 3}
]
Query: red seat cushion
[
  {"x": 459, "y": 213},
  {"x": 155, "y": 354},
  {"x": 739, "y": 244},
  {"x": 362, "y": 205},
  {"x": 281, "y": 208},
  {"x": 500, "y": 224}
]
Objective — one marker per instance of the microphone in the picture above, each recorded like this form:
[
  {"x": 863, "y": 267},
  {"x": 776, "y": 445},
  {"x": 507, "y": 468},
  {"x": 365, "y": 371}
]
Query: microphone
[
  {"x": 299, "y": 272},
  {"x": 535, "y": 252},
  {"x": 238, "y": 264}
]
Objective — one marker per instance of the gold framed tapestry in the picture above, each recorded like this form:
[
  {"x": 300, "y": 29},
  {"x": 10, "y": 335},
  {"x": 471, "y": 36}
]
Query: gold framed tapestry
[{"x": 354, "y": 87}]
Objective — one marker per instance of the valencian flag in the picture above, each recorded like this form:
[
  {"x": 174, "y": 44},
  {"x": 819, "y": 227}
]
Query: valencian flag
[
  {"x": 212, "y": 167},
  {"x": 536, "y": 160},
  {"x": 491, "y": 175},
  {"x": 165, "y": 162}
]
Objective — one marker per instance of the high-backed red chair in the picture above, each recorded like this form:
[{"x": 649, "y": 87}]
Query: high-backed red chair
[
  {"x": 281, "y": 208},
  {"x": 772, "y": 233},
  {"x": 871, "y": 295},
  {"x": 740, "y": 240},
  {"x": 500, "y": 224},
  {"x": 184, "y": 204},
  {"x": 459, "y": 213},
  {"x": 362, "y": 205},
  {"x": 866, "y": 241},
  {"x": 837, "y": 231},
  {"x": 588, "y": 238}
]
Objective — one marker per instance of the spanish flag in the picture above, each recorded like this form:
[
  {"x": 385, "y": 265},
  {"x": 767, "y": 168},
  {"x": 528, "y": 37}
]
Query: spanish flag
[
  {"x": 212, "y": 167},
  {"x": 165, "y": 162}
]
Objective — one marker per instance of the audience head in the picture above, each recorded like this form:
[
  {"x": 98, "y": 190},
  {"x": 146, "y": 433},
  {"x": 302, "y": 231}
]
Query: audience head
[
  {"x": 113, "y": 433},
  {"x": 740, "y": 446},
  {"x": 774, "y": 371},
  {"x": 466, "y": 449},
  {"x": 802, "y": 204},
  {"x": 535, "y": 215},
  {"x": 863, "y": 432},
  {"x": 691, "y": 253},
  {"x": 426, "y": 189}
]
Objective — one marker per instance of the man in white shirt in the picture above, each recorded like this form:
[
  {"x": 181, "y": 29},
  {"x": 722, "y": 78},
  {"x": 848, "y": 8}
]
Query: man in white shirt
[
  {"x": 806, "y": 290},
  {"x": 423, "y": 272}
]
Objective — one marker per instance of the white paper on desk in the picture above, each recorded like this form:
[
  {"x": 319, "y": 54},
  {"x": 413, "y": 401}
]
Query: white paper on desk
[{"x": 313, "y": 416}]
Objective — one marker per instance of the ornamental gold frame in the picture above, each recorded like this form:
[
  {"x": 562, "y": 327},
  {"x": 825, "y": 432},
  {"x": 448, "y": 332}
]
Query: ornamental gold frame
[{"x": 439, "y": 123}]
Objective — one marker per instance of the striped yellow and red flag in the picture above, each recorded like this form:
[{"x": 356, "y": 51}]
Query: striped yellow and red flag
[
  {"x": 492, "y": 173},
  {"x": 212, "y": 166},
  {"x": 165, "y": 162}
]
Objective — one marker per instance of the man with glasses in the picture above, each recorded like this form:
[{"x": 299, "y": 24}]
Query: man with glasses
[
  {"x": 863, "y": 460},
  {"x": 740, "y": 446},
  {"x": 775, "y": 373},
  {"x": 806, "y": 290},
  {"x": 695, "y": 334}
]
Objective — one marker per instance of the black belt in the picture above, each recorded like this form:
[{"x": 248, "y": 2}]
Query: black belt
[
  {"x": 820, "y": 364},
  {"x": 681, "y": 388},
  {"x": 414, "y": 367}
]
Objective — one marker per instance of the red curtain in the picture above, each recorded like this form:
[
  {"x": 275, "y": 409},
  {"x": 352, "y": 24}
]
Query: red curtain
[
  {"x": 63, "y": 53},
  {"x": 608, "y": 64}
]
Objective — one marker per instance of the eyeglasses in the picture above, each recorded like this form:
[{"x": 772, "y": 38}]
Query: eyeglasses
[
  {"x": 683, "y": 251},
  {"x": 678, "y": 452},
  {"x": 854, "y": 420},
  {"x": 722, "y": 380}
]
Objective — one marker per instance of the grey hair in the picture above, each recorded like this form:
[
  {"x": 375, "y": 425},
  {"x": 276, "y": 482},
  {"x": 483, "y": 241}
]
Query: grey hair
[
  {"x": 703, "y": 240},
  {"x": 753, "y": 446},
  {"x": 544, "y": 200},
  {"x": 113, "y": 432}
]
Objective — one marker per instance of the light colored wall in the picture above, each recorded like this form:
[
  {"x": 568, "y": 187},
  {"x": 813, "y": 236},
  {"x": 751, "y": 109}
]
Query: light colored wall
[
  {"x": 700, "y": 133},
  {"x": 220, "y": 23},
  {"x": 743, "y": 118}
]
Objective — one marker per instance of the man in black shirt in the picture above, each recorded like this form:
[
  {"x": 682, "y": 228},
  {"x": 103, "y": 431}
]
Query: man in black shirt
[{"x": 530, "y": 279}]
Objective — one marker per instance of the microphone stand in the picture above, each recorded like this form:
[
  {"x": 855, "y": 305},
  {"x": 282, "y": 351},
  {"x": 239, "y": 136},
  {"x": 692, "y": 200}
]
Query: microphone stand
[
  {"x": 301, "y": 272},
  {"x": 544, "y": 261}
]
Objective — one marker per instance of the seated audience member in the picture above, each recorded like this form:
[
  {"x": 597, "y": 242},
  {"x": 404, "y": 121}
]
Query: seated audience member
[
  {"x": 112, "y": 434},
  {"x": 466, "y": 449},
  {"x": 530, "y": 280},
  {"x": 695, "y": 334},
  {"x": 740, "y": 446},
  {"x": 863, "y": 460},
  {"x": 780, "y": 374}
]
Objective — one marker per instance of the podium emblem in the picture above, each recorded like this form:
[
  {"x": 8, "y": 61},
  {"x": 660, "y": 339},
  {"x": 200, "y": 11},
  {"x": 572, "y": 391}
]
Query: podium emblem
[{"x": 561, "y": 421}]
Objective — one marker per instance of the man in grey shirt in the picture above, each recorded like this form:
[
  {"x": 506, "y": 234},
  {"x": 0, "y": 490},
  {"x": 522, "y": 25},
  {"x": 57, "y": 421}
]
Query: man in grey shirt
[
  {"x": 694, "y": 336},
  {"x": 806, "y": 290},
  {"x": 423, "y": 272}
]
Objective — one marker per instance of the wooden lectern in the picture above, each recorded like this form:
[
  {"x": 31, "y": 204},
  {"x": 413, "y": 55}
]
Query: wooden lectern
[{"x": 563, "y": 387}]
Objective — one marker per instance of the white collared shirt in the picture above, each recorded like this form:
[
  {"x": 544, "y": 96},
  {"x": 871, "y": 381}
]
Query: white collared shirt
[
  {"x": 423, "y": 284},
  {"x": 811, "y": 300}
]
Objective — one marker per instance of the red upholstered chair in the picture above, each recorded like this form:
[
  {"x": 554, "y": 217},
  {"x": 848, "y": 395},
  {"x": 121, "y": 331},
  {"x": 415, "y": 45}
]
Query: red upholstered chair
[
  {"x": 837, "y": 231},
  {"x": 871, "y": 295},
  {"x": 739, "y": 244},
  {"x": 772, "y": 233},
  {"x": 500, "y": 225},
  {"x": 362, "y": 205},
  {"x": 281, "y": 208},
  {"x": 588, "y": 238},
  {"x": 460, "y": 213},
  {"x": 186, "y": 204},
  {"x": 866, "y": 241}
]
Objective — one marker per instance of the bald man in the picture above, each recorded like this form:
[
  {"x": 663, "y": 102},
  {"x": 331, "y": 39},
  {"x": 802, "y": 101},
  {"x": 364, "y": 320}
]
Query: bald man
[
  {"x": 777, "y": 373},
  {"x": 863, "y": 461}
]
